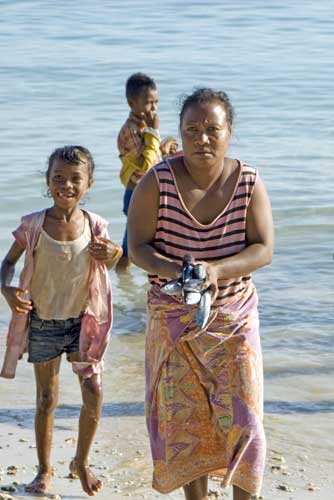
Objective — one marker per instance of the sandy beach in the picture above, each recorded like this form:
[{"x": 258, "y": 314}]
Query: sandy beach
[{"x": 298, "y": 464}]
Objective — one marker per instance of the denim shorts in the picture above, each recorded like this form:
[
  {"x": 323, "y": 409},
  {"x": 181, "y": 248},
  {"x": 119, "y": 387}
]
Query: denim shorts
[{"x": 48, "y": 339}]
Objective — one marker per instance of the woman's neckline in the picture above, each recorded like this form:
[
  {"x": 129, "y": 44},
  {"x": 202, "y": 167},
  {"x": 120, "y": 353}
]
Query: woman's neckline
[{"x": 186, "y": 209}]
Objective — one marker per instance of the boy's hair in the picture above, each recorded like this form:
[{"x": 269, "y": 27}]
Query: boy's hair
[
  {"x": 71, "y": 154},
  {"x": 207, "y": 96},
  {"x": 138, "y": 82}
]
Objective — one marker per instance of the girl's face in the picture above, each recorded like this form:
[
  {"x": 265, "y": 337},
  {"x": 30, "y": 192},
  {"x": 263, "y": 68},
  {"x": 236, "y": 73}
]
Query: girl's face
[
  {"x": 68, "y": 183},
  {"x": 205, "y": 134}
]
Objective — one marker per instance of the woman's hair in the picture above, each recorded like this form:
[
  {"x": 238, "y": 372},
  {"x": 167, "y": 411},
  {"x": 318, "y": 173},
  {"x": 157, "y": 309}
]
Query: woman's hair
[
  {"x": 74, "y": 155},
  {"x": 207, "y": 96},
  {"x": 138, "y": 82}
]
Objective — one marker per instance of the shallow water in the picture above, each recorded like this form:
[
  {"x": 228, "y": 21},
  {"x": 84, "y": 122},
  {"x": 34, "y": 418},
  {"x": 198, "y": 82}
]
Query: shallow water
[{"x": 63, "y": 72}]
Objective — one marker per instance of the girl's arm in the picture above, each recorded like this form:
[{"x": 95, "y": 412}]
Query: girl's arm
[
  {"x": 13, "y": 295},
  {"x": 142, "y": 223}
]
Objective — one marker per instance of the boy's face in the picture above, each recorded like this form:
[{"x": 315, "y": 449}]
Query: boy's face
[{"x": 145, "y": 103}]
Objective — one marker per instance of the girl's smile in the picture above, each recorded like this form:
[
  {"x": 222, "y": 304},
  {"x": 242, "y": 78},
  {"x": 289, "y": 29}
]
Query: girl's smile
[{"x": 68, "y": 183}]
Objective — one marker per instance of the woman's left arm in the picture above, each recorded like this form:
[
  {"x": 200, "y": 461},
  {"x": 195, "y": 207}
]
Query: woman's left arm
[{"x": 260, "y": 237}]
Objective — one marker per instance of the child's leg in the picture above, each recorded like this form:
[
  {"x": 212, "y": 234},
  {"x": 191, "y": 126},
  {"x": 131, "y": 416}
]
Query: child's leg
[
  {"x": 197, "y": 490},
  {"x": 91, "y": 389},
  {"x": 47, "y": 385}
]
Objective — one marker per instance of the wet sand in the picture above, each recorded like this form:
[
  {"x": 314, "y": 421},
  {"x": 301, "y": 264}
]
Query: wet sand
[{"x": 298, "y": 465}]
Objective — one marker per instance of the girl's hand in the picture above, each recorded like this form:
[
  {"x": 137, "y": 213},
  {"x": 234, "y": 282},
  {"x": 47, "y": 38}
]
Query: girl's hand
[
  {"x": 104, "y": 250},
  {"x": 15, "y": 300},
  {"x": 211, "y": 281}
]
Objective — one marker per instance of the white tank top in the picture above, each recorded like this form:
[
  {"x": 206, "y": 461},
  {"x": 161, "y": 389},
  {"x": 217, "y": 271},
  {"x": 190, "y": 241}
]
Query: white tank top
[{"x": 59, "y": 287}]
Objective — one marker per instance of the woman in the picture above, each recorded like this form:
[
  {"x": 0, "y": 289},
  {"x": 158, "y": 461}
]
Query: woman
[{"x": 204, "y": 387}]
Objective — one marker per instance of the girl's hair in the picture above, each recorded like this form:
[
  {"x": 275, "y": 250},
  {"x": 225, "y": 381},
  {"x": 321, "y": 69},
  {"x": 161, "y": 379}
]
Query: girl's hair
[
  {"x": 138, "y": 82},
  {"x": 71, "y": 154},
  {"x": 207, "y": 96}
]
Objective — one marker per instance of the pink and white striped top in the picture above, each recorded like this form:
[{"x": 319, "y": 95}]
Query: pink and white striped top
[{"x": 179, "y": 233}]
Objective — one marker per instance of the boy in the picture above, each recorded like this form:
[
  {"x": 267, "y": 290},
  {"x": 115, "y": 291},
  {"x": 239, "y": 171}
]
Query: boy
[{"x": 139, "y": 142}]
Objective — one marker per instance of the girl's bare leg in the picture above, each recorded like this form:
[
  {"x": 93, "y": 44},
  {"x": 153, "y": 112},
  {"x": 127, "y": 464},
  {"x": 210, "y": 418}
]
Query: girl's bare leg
[
  {"x": 197, "y": 490},
  {"x": 47, "y": 388},
  {"x": 91, "y": 389},
  {"x": 239, "y": 494}
]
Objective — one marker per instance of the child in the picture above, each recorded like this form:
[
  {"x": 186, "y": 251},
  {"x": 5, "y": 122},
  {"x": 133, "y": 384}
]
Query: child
[
  {"x": 139, "y": 142},
  {"x": 62, "y": 304}
]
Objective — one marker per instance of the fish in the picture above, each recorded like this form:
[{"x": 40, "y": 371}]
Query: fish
[
  {"x": 191, "y": 286},
  {"x": 199, "y": 272},
  {"x": 192, "y": 298},
  {"x": 204, "y": 309},
  {"x": 173, "y": 287}
]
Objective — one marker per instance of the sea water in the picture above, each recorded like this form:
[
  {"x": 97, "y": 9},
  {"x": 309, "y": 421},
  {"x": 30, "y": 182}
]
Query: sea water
[{"x": 63, "y": 70}]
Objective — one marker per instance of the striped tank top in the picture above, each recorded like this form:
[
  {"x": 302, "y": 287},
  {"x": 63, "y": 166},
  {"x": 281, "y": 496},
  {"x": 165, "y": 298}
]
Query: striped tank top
[{"x": 179, "y": 233}]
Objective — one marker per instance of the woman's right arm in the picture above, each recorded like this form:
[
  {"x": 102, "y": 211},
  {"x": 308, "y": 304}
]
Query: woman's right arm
[
  {"x": 142, "y": 223},
  {"x": 13, "y": 295}
]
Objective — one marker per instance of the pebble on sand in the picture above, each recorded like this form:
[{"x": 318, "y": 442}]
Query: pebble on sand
[
  {"x": 10, "y": 488},
  {"x": 11, "y": 470},
  {"x": 312, "y": 487},
  {"x": 284, "y": 487},
  {"x": 70, "y": 440},
  {"x": 3, "y": 496}
]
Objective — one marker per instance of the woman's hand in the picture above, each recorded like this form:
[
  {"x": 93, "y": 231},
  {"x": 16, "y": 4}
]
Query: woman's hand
[
  {"x": 211, "y": 280},
  {"x": 16, "y": 302},
  {"x": 104, "y": 250}
]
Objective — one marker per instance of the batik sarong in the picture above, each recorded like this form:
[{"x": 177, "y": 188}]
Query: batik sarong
[{"x": 204, "y": 397}]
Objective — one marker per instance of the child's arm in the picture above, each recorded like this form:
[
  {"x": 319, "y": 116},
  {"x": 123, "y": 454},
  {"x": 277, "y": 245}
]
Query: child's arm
[
  {"x": 168, "y": 146},
  {"x": 12, "y": 294},
  {"x": 105, "y": 251},
  {"x": 133, "y": 168}
]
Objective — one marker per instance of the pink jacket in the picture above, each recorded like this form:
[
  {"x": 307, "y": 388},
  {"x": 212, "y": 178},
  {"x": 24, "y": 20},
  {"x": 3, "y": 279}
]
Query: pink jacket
[{"x": 97, "y": 319}]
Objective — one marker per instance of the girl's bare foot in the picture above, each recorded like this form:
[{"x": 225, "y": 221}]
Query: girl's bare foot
[
  {"x": 40, "y": 484},
  {"x": 90, "y": 484}
]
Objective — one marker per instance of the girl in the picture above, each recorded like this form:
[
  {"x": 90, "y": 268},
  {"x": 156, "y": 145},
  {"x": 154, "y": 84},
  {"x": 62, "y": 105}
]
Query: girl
[{"x": 62, "y": 304}]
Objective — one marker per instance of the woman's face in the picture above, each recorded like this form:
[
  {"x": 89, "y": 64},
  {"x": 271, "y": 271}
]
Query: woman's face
[{"x": 205, "y": 134}]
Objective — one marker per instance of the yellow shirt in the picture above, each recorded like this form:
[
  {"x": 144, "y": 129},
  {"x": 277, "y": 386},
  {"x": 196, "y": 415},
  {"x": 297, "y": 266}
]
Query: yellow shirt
[{"x": 139, "y": 148}]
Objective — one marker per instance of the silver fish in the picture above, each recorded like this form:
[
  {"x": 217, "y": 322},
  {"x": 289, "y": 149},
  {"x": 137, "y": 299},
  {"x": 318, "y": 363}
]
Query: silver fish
[
  {"x": 188, "y": 266},
  {"x": 199, "y": 272},
  {"x": 173, "y": 287},
  {"x": 193, "y": 285},
  {"x": 191, "y": 298},
  {"x": 204, "y": 309}
]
